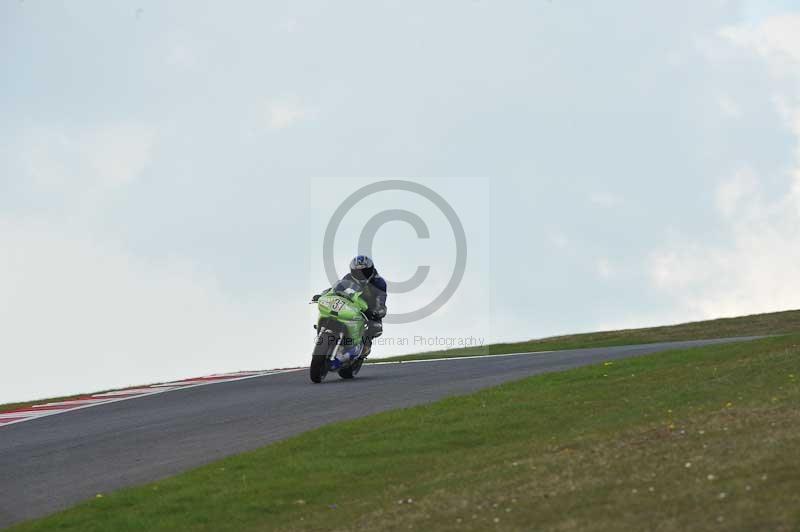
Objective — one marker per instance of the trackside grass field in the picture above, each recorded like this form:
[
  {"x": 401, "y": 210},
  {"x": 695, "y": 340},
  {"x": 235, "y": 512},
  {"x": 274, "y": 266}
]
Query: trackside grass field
[
  {"x": 755, "y": 325},
  {"x": 697, "y": 439}
]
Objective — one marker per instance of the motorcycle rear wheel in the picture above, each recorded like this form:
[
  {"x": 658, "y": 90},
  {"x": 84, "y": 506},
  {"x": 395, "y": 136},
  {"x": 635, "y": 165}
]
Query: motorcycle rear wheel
[{"x": 352, "y": 371}]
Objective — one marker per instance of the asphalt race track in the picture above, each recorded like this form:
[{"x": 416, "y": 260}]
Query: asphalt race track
[{"x": 54, "y": 462}]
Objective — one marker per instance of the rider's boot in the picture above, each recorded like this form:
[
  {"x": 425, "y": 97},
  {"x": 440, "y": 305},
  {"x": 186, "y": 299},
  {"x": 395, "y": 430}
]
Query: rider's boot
[{"x": 367, "y": 347}]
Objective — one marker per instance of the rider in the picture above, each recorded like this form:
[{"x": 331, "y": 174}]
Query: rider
[{"x": 363, "y": 272}]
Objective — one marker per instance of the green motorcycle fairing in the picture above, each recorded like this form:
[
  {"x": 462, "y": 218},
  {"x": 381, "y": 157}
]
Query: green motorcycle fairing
[{"x": 347, "y": 308}]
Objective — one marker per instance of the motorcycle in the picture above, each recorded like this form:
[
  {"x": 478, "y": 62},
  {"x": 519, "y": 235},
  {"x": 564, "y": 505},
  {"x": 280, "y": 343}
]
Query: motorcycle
[{"x": 341, "y": 328}]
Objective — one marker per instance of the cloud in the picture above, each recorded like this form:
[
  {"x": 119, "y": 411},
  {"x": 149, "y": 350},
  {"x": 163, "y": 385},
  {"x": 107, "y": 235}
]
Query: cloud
[
  {"x": 776, "y": 38},
  {"x": 758, "y": 270},
  {"x": 728, "y": 107},
  {"x": 181, "y": 50},
  {"x": 559, "y": 240},
  {"x": 79, "y": 315},
  {"x": 81, "y": 311},
  {"x": 735, "y": 196},
  {"x": 605, "y": 268},
  {"x": 107, "y": 155},
  {"x": 181, "y": 55},
  {"x": 285, "y": 114},
  {"x": 288, "y": 24},
  {"x": 605, "y": 199}
]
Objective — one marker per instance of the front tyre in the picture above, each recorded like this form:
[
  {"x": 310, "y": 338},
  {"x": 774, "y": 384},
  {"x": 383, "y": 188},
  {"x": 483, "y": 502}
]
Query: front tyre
[{"x": 319, "y": 359}]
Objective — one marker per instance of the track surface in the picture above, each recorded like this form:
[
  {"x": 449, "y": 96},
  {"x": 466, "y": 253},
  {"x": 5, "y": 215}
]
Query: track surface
[{"x": 51, "y": 463}]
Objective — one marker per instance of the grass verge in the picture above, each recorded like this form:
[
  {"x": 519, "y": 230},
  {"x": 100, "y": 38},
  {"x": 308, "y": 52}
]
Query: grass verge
[
  {"x": 774, "y": 323},
  {"x": 696, "y": 439}
]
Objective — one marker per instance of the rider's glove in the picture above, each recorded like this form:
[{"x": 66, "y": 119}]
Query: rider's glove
[{"x": 315, "y": 298}]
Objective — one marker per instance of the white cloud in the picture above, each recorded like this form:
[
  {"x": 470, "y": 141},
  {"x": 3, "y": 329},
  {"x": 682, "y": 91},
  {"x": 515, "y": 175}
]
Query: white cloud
[
  {"x": 736, "y": 195},
  {"x": 759, "y": 269},
  {"x": 670, "y": 269},
  {"x": 286, "y": 113},
  {"x": 559, "y": 240},
  {"x": 776, "y": 38},
  {"x": 79, "y": 316},
  {"x": 108, "y": 155},
  {"x": 728, "y": 107},
  {"x": 288, "y": 24},
  {"x": 605, "y": 199},
  {"x": 605, "y": 268},
  {"x": 183, "y": 50},
  {"x": 182, "y": 56},
  {"x": 758, "y": 272},
  {"x": 120, "y": 153},
  {"x": 79, "y": 311}
]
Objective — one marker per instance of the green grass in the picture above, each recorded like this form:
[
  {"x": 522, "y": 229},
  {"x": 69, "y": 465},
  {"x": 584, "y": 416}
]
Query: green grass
[
  {"x": 786, "y": 322},
  {"x": 696, "y": 439}
]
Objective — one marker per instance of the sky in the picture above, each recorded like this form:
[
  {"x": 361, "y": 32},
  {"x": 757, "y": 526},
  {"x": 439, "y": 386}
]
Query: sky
[{"x": 168, "y": 171}]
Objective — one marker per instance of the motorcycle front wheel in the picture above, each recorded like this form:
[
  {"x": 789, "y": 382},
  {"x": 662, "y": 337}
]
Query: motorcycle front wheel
[{"x": 319, "y": 359}]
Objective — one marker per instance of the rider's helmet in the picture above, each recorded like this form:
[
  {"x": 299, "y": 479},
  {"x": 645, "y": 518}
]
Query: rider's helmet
[{"x": 362, "y": 268}]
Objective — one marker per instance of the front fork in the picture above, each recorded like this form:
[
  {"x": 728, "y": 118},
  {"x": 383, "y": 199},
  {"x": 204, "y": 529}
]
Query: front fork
[{"x": 325, "y": 331}]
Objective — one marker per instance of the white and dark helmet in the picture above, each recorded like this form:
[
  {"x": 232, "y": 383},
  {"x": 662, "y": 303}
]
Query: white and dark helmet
[{"x": 362, "y": 268}]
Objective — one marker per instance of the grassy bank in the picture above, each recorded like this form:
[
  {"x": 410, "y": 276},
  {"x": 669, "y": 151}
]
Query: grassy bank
[
  {"x": 756, "y": 325},
  {"x": 699, "y": 439}
]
